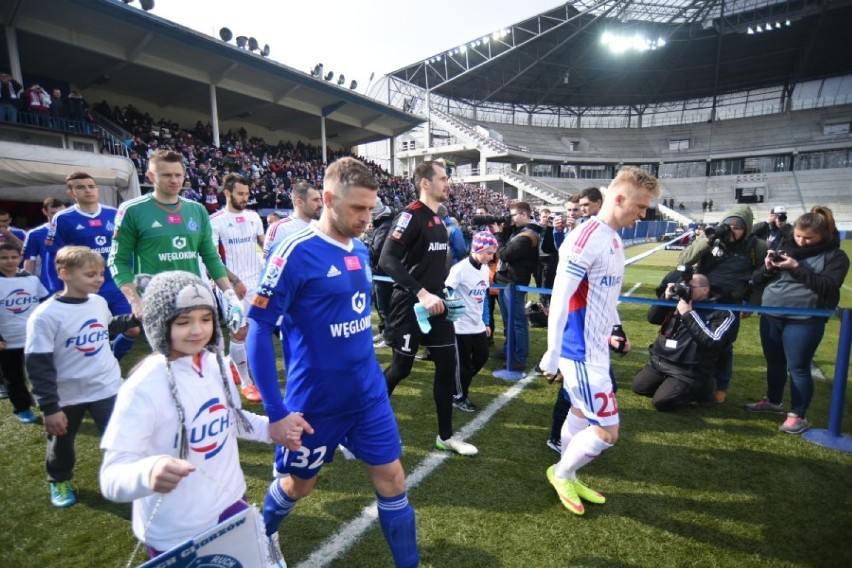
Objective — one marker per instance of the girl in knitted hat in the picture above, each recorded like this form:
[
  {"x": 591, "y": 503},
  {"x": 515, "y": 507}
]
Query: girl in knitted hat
[
  {"x": 171, "y": 446},
  {"x": 469, "y": 280}
]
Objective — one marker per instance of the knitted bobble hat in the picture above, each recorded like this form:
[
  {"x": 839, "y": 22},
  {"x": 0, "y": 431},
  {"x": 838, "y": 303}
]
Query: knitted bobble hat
[
  {"x": 483, "y": 240},
  {"x": 164, "y": 298}
]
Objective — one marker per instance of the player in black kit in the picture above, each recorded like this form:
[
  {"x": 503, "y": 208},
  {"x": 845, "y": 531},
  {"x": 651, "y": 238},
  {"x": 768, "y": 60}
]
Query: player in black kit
[{"x": 415, "y": 256}]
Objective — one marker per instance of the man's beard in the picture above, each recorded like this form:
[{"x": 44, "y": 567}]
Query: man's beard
[{"x": 238, "y": 206}]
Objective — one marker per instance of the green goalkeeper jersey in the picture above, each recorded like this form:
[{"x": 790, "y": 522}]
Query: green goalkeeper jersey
[{"x": 152, "y": 237}]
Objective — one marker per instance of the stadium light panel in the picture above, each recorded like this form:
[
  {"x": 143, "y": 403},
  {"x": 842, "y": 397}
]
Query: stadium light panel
[
  {"x": 750, "y": 31},
  {"x": 758, "y": 28},
  {"x": 619, "y": 44}
]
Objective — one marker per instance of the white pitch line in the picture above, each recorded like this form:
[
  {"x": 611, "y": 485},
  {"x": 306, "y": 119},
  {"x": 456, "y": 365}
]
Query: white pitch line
[
  {"x": 335, "y": 546},
  {"x": 847, "y": 288},
  {"x": 630, "y": 292}
]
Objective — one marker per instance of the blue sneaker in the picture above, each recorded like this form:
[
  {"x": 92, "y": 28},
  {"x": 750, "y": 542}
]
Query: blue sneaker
[
  {"x": 62, "y": 494},
  {"x": 26, "y": 417}
]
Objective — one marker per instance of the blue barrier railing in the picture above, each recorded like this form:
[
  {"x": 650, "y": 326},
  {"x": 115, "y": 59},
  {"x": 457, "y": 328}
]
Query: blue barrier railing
[{"x": 832, "y": 437}]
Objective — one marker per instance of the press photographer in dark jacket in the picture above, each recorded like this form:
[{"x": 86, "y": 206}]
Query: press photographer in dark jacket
[
  {"x": 684, "y": 355},
  {"x": 517, "y": 256}
]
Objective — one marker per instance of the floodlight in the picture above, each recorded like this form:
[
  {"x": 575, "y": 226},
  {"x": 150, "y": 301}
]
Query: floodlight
[
  {"x": 225, "y": 34},
  {"x": 252, "y": 44},
  {"x": 147, "y": 5},
  {"x": 241, "y": 41},
  {"x": 265, "y": 51},
  {"x": 758, "y": 28},
  {"x": 778, "y": 25},
  {"x": 353, "y": 85},
  {"x": 768, "y": 27},
  {"x": 341, "y": 79},
  {"x": 787, "y": 23},
  {"x": 329, "y": 76},
  {"x": 750, "y": 31}
]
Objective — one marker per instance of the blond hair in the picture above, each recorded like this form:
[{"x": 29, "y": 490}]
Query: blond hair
[{"x": 71, "y": 257}]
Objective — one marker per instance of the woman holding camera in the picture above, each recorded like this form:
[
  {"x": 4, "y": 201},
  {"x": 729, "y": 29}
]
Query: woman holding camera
[{"x": 805, "y": 270}]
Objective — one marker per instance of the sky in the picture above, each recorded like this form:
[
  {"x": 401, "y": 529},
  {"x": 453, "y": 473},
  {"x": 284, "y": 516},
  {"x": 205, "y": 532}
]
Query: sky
[{"x": 353, "y": 38}]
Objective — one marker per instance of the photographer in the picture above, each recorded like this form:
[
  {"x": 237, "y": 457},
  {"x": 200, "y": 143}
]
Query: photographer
[
  {"x": 806, "y": 271},
  {"x": 547, "y": 256},
  {"x": 775, "y": 228},
  {"x": 727, "y": 254},
  {"x": 686, "y": 350},
  {"x": 518, "y": 258}
]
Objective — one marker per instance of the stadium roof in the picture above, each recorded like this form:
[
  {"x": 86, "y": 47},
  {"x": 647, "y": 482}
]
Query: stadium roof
[
  {"x": 710, "y": 47},
  {"x": 125, "y": 50}
]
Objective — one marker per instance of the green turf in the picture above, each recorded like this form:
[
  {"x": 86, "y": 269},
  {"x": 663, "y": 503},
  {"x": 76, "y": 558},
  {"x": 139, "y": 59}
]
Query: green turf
[{"x": 700, "y": 487}]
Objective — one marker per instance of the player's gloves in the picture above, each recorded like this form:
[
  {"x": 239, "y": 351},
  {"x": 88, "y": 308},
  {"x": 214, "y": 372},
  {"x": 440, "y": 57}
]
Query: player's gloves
[
  {"x": 235, "y": 315},
  {"x": 618, "y": 331},
  {"x": 455, "y": 308}
]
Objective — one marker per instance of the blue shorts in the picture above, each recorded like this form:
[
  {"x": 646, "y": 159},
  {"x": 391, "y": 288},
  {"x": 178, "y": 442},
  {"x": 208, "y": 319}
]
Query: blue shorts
[{"x": 372, "y": 435}]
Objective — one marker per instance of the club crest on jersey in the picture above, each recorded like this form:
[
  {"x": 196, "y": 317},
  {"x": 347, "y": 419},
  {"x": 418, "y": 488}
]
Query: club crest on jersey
[
  {"x": 110, "y": 226},
  {"x": 18, "y": 301},
  {"x": 192, "y": 225},
  {"x": 90, "y": 338},
  {"x": 404, "y": 219},
  {"x": 208, "y": 432},
  {"x": 179, "y": 242}
]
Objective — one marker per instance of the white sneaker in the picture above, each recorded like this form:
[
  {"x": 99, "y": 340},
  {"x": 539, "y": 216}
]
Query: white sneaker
[
  {"x": 456, "y": 445},
  {"x": 275, "y": 557},
  {"x": 347, "y": 455}
]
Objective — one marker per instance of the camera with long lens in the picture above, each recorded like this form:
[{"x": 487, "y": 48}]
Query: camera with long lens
[
  {"x": 490, "y": 220},
  {"x": 719, "y": 232}
]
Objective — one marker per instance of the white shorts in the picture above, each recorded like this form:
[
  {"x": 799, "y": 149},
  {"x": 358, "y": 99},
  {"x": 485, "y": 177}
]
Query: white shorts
[{"x": 590, "y": 388}]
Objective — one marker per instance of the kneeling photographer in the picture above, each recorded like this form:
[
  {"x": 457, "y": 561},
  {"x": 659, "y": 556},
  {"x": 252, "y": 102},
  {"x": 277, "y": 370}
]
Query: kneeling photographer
[
  {"x": 684, "y": 355},
  {"x": 728, "y": 254}
]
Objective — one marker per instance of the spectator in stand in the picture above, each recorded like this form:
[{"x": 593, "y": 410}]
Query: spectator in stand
[
  {"x": 709, "y": 205},
  {"x": 805, "y": 270},
  {"x": 8, "y": 233},
  {"x": 58, "y": 109},
  {"x": 37, "y": 257},
  {"x": 189, "y": 192},
  {"x": 775, "y": 229},
  {"x": 10, "y": 98},
  {"x": 37, "y": 102},
  {"x": 78, "y": 110},
  {"x": 211, "y": 198},
  {"x": 517, "y": 255}
]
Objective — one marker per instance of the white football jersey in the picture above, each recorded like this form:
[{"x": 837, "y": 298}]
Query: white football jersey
[{"x": 236, "y": 236}]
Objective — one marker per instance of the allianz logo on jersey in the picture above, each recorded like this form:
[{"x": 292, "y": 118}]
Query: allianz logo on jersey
[
  {"x": 347, "y": 328},
  {"x": 18, "y": 301},
  {"x": 610, "y": 281},
  {"x": 208, "y": 432},
  {"x": 240, "y": 240},
  {"x": 438, "y": 246},
  {"x": 90, "y": 338}
]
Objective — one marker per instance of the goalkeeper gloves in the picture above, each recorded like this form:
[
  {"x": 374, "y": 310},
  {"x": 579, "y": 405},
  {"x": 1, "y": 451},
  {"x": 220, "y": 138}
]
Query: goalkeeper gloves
[
  {"x": 455, "y": 308},
  {"x": 235, "y": 315}
]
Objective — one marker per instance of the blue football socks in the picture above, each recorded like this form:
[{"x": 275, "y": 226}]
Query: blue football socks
[
  {"x": 276, "y": 507},
  {"x": 400, "y": 529}
]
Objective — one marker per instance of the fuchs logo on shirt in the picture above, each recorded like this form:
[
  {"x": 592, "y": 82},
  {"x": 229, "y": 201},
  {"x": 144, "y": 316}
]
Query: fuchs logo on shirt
[
  {"x": 174, "y": 219},
  {"x": 90, "y": 338},
  {"x": 479, "y": 292},
  {"x": 208, "y": 432},
  {"x": 95, "y": 223},
  {"x": 18, "y": 301}
]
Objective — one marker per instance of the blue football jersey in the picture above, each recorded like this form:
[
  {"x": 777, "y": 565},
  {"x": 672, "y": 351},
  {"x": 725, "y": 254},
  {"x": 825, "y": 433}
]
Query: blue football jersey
[
  {"x": 35, "y": 247},
  {"x": 74, "y": 227},
  {"x": 322, "y": 288}
]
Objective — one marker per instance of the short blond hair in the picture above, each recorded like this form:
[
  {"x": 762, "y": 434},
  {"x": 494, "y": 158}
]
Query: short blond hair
[
  {"x": 638, "y": 178},
  {"x": 71, "y": 257}
]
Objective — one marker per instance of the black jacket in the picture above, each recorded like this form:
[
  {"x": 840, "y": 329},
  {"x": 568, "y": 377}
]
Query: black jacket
[
  {"x": 517, "y": 254},
  {"x": 693, "y": 341}
]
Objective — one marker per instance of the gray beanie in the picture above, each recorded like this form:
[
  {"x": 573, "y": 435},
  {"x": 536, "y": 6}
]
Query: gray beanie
[{"x": 164, "y": 298}]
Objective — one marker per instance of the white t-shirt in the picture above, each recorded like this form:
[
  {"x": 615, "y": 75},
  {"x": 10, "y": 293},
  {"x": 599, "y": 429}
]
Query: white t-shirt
[
  {"x": 77, "y": 335},
  {"x": 585, "y": 295},
  {"x": 236, "y": 236},
  {"x": 471, "y": 285},
  {"x": 20, "y": 296},
  {"x": 144, "y": 428}
]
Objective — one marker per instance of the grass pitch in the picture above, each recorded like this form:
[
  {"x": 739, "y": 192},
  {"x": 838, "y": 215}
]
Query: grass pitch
[{"x": 699, "y": 487}]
